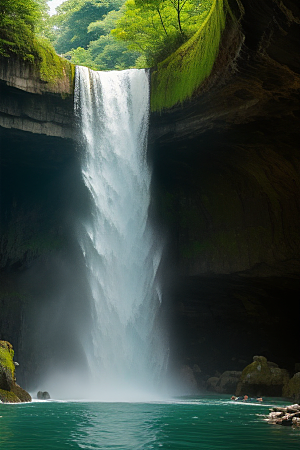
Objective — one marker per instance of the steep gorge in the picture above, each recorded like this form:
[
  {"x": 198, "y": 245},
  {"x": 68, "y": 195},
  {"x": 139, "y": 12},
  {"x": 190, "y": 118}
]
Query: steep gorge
[{"x": 226, "y": 185}]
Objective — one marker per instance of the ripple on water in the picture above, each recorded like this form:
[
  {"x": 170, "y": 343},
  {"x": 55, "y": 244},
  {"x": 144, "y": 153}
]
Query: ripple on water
[{"x": 195, "y": 424}]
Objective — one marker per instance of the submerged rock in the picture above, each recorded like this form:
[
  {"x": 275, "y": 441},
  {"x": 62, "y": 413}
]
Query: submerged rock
[{"x": 10, "y": 391}]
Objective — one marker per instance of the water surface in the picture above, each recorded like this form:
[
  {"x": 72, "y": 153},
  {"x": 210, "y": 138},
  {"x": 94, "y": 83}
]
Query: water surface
[{"x": 207, "y": 423}]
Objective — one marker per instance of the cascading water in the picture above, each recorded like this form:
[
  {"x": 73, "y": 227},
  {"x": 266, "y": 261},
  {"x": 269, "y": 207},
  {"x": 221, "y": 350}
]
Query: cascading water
[{"x": 122, "y": 253}]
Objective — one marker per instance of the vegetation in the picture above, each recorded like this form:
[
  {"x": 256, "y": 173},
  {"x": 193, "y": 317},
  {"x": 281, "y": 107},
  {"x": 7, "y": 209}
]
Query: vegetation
[
  {"x": 156, "y": 28},
  {"x": 114, "y": 34},
  {"x": 180, "y": 38},
  {"x": 6, "y": 358},
  {"x": 178, "y": 76},
  {"x": 20, "y": 21}
]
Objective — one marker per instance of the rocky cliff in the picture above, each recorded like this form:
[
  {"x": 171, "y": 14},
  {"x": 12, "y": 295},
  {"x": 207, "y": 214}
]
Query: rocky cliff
[
  {"x": 226, "y": 168},
  {"x": 225, "y": 185}
]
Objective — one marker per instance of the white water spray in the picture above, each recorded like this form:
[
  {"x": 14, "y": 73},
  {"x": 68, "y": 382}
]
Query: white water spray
[{"x": 122, "y": 253}]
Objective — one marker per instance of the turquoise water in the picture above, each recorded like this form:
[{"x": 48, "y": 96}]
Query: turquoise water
[{"x": 207, "y": 423}]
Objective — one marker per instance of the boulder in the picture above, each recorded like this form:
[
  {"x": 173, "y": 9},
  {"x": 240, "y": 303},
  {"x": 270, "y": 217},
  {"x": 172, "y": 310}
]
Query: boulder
[
  {"x": 228, "y": 382},
  {"x": 261, "y": 379},
  {"x": 292, "y": 388},
  {"x": 43, "y": 395},
  {"x": 225, "y": 383},
  {"x": 211, "y": 383},
  {"x": 286, "y": 416},
  {"x": 188, "y": 378}
]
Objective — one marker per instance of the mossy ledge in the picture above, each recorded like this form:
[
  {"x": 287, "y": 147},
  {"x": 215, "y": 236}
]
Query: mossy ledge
[
  {"x": 37, "y": 70},
  {"x": 176, "y": 78}
]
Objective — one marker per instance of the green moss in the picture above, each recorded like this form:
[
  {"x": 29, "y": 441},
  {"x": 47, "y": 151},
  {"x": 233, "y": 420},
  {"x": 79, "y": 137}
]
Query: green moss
[
  {"x": 6, "y": 358},
  {"x": 39, "y": 52},
  {"x": 178, "y": 76},
  {"x": 8, "y": 397},
  {"x": 51, "y": 66},
  {"x": 259, "y": 373}
]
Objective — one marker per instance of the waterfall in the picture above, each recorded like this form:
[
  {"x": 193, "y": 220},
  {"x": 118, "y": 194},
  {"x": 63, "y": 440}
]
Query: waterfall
[{"x": 122, "y": 253}]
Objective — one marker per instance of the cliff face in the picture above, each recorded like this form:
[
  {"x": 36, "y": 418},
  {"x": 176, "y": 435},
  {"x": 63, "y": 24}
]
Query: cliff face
[
  {"x": 226, "y": 186},
  {"x": 226, "y": 168},
  {"x": 228, "y": 160}
]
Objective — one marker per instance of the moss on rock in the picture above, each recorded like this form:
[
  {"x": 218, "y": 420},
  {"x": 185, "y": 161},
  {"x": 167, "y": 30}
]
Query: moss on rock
[
  {"x": 10, "y": 391},
  {"x": 292, "y": 388},
  {"x": 7, "y": 367},
  {"x": 8, "y": 397},
  {"x": 262, "y": 378},
  {"x": 177, "y": 77},
  {"x": 21, "y": 393}
]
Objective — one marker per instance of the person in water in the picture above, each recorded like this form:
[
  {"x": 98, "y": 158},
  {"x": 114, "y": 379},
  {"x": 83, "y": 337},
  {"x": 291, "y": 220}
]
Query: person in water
[{"x": 245, "y": 398}]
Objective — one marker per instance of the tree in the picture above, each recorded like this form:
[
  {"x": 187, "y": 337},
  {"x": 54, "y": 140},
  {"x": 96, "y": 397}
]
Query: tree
[
  {"x": 105, "y": 53},
  {"x": 71, "y": 23},
  {"x": 156, "y": 28},
  {"x": 18, "y": 22}
]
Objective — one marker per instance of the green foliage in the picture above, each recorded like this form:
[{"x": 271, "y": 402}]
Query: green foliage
[
  {"x": 73, "y": 20},
  {"x": 177, "y": 77},
  {"x": 51, "y": 66},
  {"x": 19, "y": 21},
  {"x": 156, "y": 28},
  {"x": 81, "y": 31}
]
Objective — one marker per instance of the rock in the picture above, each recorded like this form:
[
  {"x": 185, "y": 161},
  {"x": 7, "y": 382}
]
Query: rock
[
  {"x": 260, "y": 379},
  {"x": 292, "y": 388},
  {"x": 211, "y": 383},
  {"x": 188, "y": 378},
  {"x": 228, "y": 382},
  {"x": 10, "y": 391},
  {"x": 21, "y": 393},
  {"x": 7, "y": 368},
  {"x": 225, "y": 383},
  {"x": 8, "y": 397},
  {"x": 271, "y": 364},
  {"x": 43, "y": 395},
  {"x": 286, "y": 416}
]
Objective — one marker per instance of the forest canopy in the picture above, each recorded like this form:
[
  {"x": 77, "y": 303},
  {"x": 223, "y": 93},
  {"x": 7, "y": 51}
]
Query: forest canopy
[
  {"x": 118, "y": 34},
  {"x": 19, "y": 22},
  {"x": 101, "y": 34}
]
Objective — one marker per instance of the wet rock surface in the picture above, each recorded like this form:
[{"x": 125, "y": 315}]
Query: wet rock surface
[{"x": 285, "y": 416}]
